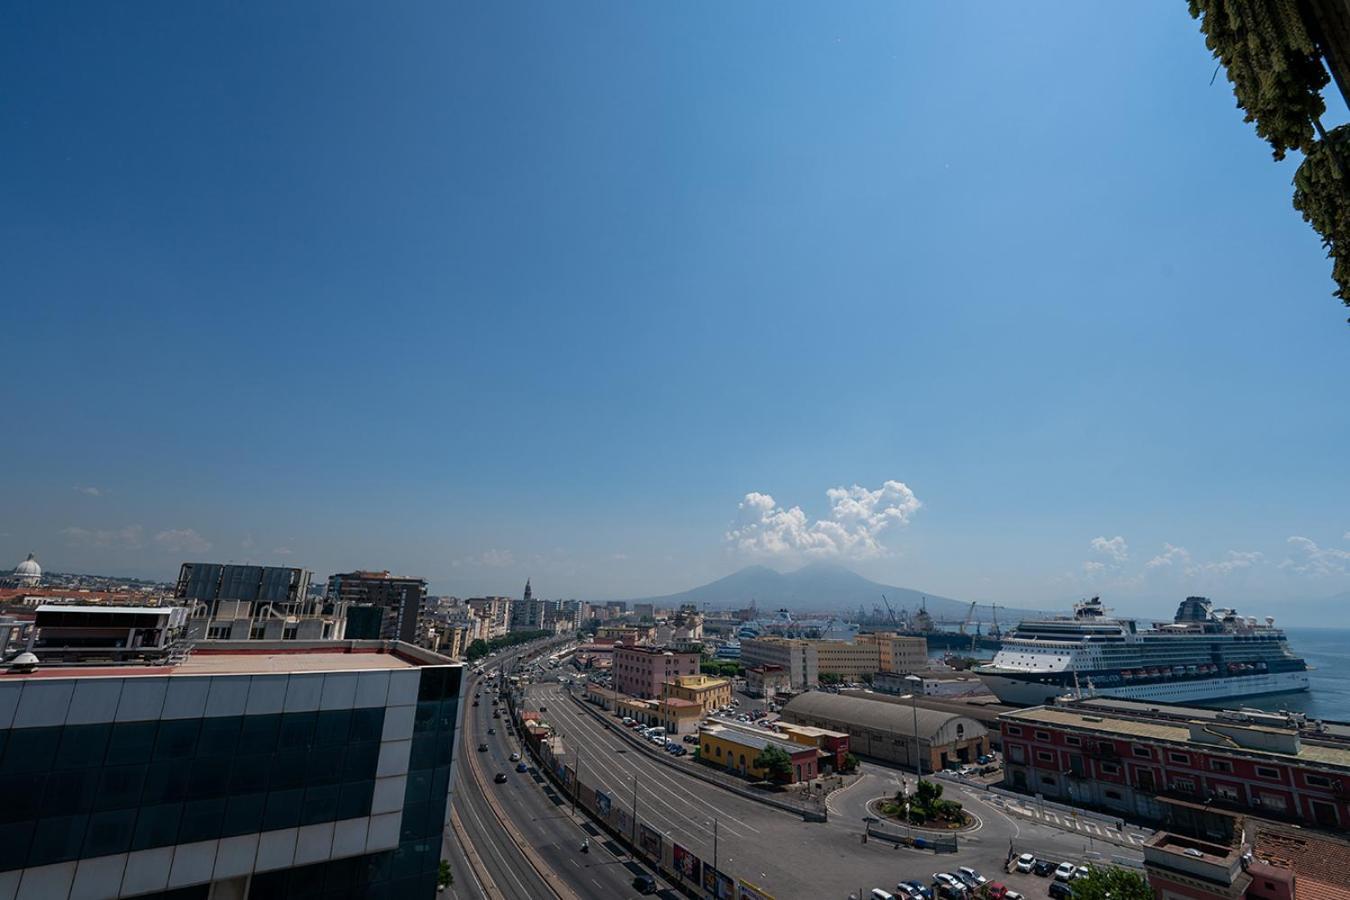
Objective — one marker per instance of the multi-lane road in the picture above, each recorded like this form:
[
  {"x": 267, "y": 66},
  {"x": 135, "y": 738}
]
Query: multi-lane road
[
  {"x": 539, "y": 831},
  {"x": 775, "y": 849}
]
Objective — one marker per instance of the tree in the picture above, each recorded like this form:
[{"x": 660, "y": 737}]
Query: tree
[
  {"x": 477, "y": 649},
  {"x": 828, "y": 678},
  {"x": 850, "y": 763},
  {"x": 775, "y": 762},
  {"x": 443, "y": 877},
  {"x": 1116, "y": 883}
]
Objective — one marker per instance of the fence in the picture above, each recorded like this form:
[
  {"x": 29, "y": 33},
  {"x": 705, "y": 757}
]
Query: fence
[{"x": 938, "y": 843}]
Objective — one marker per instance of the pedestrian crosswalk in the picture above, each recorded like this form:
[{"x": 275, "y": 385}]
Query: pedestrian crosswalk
[{"x": 1068, "y": 821}]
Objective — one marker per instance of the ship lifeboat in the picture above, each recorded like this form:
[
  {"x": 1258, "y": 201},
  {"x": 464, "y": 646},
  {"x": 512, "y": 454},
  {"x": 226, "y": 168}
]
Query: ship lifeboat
[
  {"x": 1154, "y": 673},
  {"x": 1191, "y": 670},
  {"x": 1261, "y": 667}
]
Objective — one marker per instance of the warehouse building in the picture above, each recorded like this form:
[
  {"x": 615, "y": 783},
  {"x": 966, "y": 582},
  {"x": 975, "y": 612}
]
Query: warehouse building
[{"x": 885, "y": 730}]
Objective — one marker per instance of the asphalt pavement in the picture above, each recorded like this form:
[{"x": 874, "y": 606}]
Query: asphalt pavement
[{"x": 785, "y": 856}]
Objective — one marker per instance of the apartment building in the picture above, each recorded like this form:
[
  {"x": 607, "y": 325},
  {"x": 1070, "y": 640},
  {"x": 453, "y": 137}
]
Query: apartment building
[
  {"x": 898, "y": 653},
  {"x": 643, "y": 672},
  {"x": 402, "y": 600},
  {"x": 795, "y": 657},
  {"x": 707, "y": 692},
  {"x": 846, "y": 660}
]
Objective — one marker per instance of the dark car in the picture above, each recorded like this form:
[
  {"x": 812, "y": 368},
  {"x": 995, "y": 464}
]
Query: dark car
[
  {"x": 645, "y": 884},
  {"x": 500, "y": 778},
  {"x": 492, "y": 731},
  {"x": 1044, "y": 868},
  {"x": 482, "y": 748},
  {"x": 475, "y": 703},
  {"x": 543, "y": 709},
  {"x": 521, "y": 767},
  {"x": 1060, "y": 891}
]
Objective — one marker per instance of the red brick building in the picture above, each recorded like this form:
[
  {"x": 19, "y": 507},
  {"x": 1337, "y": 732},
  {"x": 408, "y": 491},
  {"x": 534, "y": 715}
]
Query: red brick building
[{"x": 1121, "y": 756}]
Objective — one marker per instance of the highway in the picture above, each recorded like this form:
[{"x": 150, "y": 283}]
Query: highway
[
  {"x": 775, "y": 849},
  {"x": 541, "y": 822}
]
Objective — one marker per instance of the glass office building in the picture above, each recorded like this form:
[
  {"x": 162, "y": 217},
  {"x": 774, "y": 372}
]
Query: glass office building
[{"x": 314, "y": 769}]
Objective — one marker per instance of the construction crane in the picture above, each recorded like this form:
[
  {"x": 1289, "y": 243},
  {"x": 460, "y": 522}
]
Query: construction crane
[
  {"x": 890, "y": 612},
  {"x": 994, "y": 630},
  {"x": 970, "y": 617}
]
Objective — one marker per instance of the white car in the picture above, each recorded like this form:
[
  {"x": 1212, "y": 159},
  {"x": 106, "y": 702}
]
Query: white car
[
  {"x": 1025, "y": 862},
  {"x": 972, "y": 878},
  {"x": 1065, "y": 871},
  {"x": 950, "y": 882}
]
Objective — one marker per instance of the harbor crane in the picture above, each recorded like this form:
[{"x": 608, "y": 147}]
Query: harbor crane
[{"x": 890, "y": 612}]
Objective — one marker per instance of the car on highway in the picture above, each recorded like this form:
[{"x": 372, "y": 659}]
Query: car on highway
[
  {"x": 515, "y": 757},
  {"x": 482, "y": 748},
  {"x": 521, "y": 767},
  {"x": 1043, "y": 868},
  {"x": 499, "y": 778},
  {"x": 492, "y": 731},
  {"x": 1026, "y": 862},
  {"x": 1065, "y": 871},
  {"x": 475, "y": 703}
]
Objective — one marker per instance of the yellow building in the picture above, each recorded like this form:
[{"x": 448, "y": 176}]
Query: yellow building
[
  {"x": 898, "y": 652},
  {"x": 851, "y": 662},
  {"x": 737, "y": 749},
  {"x": 708, "y": 692}
]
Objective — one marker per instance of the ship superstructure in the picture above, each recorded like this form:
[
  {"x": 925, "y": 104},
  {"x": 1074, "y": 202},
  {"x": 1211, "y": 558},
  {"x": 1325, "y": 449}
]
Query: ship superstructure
[{"x": 1204, "y": 653}]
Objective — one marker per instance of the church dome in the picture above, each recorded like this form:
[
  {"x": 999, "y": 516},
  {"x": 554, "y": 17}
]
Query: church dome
[{"x": 28, "y": 572}]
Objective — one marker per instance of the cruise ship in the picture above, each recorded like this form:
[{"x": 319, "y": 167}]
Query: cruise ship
[{"x": 1204, "y": 653}]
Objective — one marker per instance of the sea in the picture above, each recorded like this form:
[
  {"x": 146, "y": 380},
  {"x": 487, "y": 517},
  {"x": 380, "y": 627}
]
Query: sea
[{"x": 1327, "y": 651}]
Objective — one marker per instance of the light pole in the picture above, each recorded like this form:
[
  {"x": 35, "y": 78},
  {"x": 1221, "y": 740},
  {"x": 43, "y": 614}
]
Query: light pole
[{"x": 916, "y": 684}]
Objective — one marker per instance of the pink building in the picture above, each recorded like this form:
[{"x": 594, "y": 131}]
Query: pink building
[{"x": 640, "y": 671}]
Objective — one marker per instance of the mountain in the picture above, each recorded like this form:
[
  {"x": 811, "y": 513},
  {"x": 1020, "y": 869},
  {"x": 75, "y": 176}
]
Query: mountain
[{"x": 817, "y": 586}]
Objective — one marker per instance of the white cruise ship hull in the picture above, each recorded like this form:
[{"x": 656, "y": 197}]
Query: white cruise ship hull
[{"x": 1021, "y": 692}]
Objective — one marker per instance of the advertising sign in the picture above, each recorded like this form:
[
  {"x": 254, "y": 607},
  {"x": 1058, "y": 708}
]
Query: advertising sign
[
  {"x": 716, "y": 884},
  {"x": 623, "y": 821},
  {"x": 688, "y": 865},
  {"x": 750, "y": 892},
  {"x": 603, "y": 805},
  {"x": 649, "y": 840}
]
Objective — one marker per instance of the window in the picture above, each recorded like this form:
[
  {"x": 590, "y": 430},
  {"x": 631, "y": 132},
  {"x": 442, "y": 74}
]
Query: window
[
  {"x": 1045, "y": 756},
  {"x": 1226, "y": 792},
  {"x": 1013, "y": 729},
  {"x": 1274, "y": 802},
  {"x": 1073, "y": 741},
  {"x": 1267, "y": 772},
  {"x": 1220, "y": 765},
  {"x": 1183, "y": 785},
  {"x": 1180, "y": 759},
  {"x": 1109, "y": 768},
  {"x": 1048, "y": 779},
  {"x": 1043, "y": 736},
  {"x": 1141, "y": 752},
  {"x": 1017, "y": 753},
  {"x": 1112, "y": 795},
  {"x": 1318, "y": 781}
]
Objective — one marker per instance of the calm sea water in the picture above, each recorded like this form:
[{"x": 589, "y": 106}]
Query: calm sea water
[{"x": 1327, "y": 651}]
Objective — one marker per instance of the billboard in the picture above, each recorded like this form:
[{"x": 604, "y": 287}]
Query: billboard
[
  {"x": 716, "y": 884},
  {"x": 649, "y": 840},
  {"x": 624, "y": 822},
  {"x": 688, "y": 865},
  {"x": 603, "y": 805}
]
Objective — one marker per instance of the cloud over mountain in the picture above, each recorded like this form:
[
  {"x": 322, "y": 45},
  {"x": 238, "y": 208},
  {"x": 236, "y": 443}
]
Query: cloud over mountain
[{"x": 858, "y": 517}]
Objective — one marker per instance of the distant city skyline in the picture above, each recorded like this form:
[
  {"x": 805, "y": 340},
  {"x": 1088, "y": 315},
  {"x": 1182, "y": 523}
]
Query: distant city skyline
[{"x": 623, "y": 303}]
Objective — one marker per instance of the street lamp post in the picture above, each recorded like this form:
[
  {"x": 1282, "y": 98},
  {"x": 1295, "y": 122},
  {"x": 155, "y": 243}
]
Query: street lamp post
[{"x": 916, "y": 684}]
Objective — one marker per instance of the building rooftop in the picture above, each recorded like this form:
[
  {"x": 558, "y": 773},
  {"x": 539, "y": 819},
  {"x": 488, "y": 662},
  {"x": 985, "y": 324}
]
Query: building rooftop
[
  {"x": 257, "y": 657},
  {"x": 1179, "y": 733},
  {"x": 755, "y": 740},
  {"x": 873, "y": 712}
]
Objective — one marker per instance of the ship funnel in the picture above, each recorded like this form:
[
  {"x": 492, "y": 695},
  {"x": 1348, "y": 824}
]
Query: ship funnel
[{"x": 1270, "y": 621}]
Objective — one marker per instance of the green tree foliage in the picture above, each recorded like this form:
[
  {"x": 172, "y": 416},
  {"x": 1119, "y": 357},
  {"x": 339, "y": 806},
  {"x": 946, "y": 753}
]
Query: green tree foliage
[
  {"x": 720, "y": 668},
  {"x": 1273, "y": 64},
  {"x": 1320, "y": 194},
  {"x": 1104, "y": 882},
  {"x": 850, "y": 763},
  {"x": 443, "y": 877},
  {"x": 775, "y": 762},
  {"x": 927, "y": 804},
  {"x": 828, "y": 678},
  {"x": 479, "y": 648}
]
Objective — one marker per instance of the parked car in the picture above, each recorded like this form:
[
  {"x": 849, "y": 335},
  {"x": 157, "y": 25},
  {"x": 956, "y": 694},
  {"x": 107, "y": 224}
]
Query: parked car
[
  {"x": 1065, "y": 871},
  {"x": 1013, "y": 895},
  {"x": 1043, "y": 867},
  {"x": 1081, "y": 872},
  {"x": 915, "y": 890},
  {"x": 1026, "y": 862},
  {"x": 644, "y": 884},
  {"x": 949, "y": 882},
  {"x": 996, "y": 890},
  {"x": 904, "y": 889},
  {"x": 500, "y": 778},
  {"x": 521, "y": 767},
  {"x": 691, "y": 739},
  {"x": 515, "y": 757},
  {"x": 1060, "y": 891},
  {"x": 970, "y": 877}
]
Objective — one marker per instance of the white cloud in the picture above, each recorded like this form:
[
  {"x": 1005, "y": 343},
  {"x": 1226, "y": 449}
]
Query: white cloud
[
  {"x": 488, "y": 559},
  {"x": 1091, "y": 567},
  {"x": 1171, "y": 555},
  {"x": 1310, "y": 559},
  {"x": 858, "y": 517},
  {"x": 87, "y": 490},
  {"x": 182, "y": 540},
  {"x": 1115, "y": 547},
  {"x": 1232, "y": 561},
  {"x": 1346, "y": 536},
  {"x": 129, "y": 537},
  {"x": 282, "y": 551}
]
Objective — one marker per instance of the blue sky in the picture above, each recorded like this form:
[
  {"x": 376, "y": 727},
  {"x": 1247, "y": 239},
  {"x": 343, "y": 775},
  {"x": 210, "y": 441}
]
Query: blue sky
[{"x": 478, "y": 293}]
